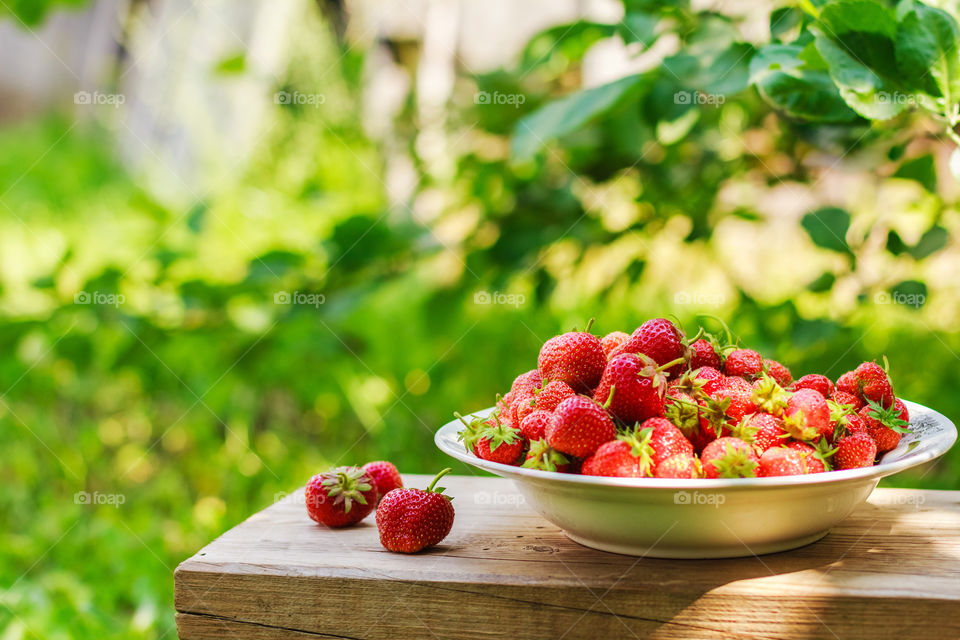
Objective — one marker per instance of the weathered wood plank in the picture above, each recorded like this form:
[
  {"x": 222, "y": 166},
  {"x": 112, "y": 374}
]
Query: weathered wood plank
[{"x": 891, "y": 570}]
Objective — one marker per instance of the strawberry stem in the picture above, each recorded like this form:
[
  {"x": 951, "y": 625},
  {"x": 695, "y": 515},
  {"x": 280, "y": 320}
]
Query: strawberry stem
[
  {"x": 589, "y": 324},
  {"x": 606, "y": 404},
  {"x": 437, "y": 478},
  {"x": 672, "y": 363}
]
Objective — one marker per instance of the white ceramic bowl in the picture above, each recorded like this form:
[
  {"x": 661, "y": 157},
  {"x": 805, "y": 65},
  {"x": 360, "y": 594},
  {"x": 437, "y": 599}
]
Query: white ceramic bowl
[{"x": 666, "y": 518}]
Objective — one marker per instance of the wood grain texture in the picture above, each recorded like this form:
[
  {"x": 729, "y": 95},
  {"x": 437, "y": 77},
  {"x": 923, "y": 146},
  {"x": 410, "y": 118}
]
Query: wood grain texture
[{"x": 890, "y": 570}]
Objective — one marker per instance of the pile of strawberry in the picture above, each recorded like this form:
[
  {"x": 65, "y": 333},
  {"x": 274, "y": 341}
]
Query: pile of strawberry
[{"x": 657, "y": 404}]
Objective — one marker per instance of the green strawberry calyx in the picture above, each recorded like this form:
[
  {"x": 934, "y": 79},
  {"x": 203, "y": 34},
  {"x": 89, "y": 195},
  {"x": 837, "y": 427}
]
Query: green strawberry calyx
[
  {"x": 888, "y": 417},
  {"x": 796, "y": 426},
  {"x": 770, "y": 396},
  {"x": 346, "y": 485},
  {"x": 735, "y": 463},
  {"x": 498, "y": 433},
  {"x": 640, "y": 447},
  {"x": 542, "y": 456},
  {"x": 470, "y": 434}
]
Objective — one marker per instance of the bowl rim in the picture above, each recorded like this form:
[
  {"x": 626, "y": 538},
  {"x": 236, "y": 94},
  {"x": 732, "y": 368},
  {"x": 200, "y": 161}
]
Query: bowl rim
[{"x": 446, "y": 441}]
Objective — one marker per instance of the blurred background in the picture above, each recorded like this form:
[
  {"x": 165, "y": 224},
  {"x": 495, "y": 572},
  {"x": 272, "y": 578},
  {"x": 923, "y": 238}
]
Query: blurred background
[{"x": 242, "y": 242}]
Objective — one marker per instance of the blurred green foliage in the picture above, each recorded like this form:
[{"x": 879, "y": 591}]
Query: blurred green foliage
[{"x": 202, "y": 394}]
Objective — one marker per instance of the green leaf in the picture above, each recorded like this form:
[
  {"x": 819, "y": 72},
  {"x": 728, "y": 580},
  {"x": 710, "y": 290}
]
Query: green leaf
[
  {"x": 787, "y": 83},
  {"x": 565, "y": 43},
  {"x": 895, "y": 243},
  {"x": 639, "y": 26},
  {"x": 909, "y": 293},
  {"x": 822, "y": 283},
  {"x": 856, "y": 38},
  {"x": 567, "y": 115},
  {"x": 783, "y": 21},
  {"x": 921, "y": 169},
  {"x": 927, "y": 50},
  {"x": 935, "y": 239},
  {"x": 828, "y": 227}
]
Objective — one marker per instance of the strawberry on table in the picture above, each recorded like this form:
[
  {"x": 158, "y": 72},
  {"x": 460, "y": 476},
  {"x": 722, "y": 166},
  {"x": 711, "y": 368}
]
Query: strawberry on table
[
  {"x": 341, "y": 496},
  {"x": 410, "y": 520},
  {"x": 575, "y": 357},
  {"x": 729, "y": 457},
  {"x": 384, "y": 475},
  {"x": 580, "y": 427}
]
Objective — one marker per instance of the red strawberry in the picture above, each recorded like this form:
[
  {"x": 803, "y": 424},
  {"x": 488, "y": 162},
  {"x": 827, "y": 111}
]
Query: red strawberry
[
  {"x": 762, "y": 430},
  {"x": 702, "y": 354},
  {"x": 815, "y": 458},
  {"x": 729, "y": 458},
  {"x": 854, "y": 451},
  {"x": 778, "y": 372},
  {"x": 576, "y": 358},
  {"x": 413, "y": 519},
  {"x": 741, "y": 398},
  {"x": 854, "y": 423},
  {"x": 782, "y": 461},
  {"x": 665, "y": 439},
  {"x": 681, "y": 465},
  {"x": 638, "y": 385},
  {"x": 843, "y": 398},
  {"x": 901, "y": 410},
  {"x": 885, "y": 426},
  {"x": 384, "y": 475},
  {"x": 500, "y": 442},
  {"x": 524, "y": 405},
  {"x": 612, "y": 341},
  {"x": 541, "y": 456},
  {"x": 661, "y": 340},
  {"x": 712, "y": 379},
  {"x": 873, "y": 383},
  {"x": 527, "y": 381},
  {"x": 629, "y": 456},
  {"x": 552, "y": 394},
  {"x": 534, "y": 426},
  {"x": 848, "y": 384},
  {"x": 745, "y": 363},
  {"x": 341, "y": 496},
  {"x": 808, "y": 416},
  {"x": 580, "y": 427},
  {"x": 817, "y": 382}
]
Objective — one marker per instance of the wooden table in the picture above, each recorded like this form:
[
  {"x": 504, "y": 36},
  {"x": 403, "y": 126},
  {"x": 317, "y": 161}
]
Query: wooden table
[{"x": 891, "y": 570}]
